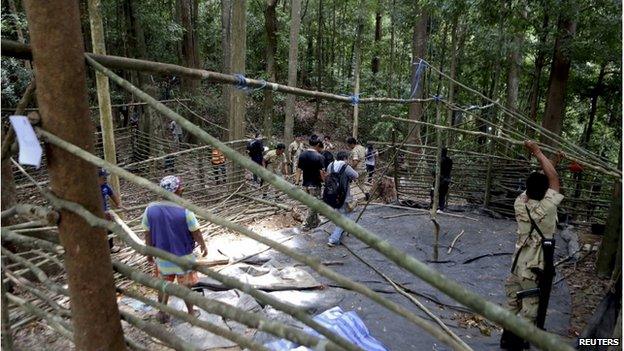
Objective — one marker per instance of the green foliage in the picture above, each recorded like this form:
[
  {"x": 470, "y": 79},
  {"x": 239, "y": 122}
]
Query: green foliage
[
  {"x": 485, "y": 32},
  {"x": 15, "y": 78}
]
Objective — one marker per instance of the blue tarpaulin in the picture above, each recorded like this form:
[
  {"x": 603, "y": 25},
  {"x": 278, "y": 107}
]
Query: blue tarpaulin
[{"x": 345, "y": 324}]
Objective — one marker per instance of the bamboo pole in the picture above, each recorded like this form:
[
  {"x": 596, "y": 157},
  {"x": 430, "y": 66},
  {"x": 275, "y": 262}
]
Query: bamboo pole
[
  {"x": 311, "y": 262},
  {"x": 7, "y": 337},
  {"x": 101, "y": 81},
  {"x": 436, "y": 189},
  {"x": 488, "y": 309},
  {"x": 488, "y": 179},
  {"x": 158, "y": 331},
  {"x": 395, "y": 161},
  {"x": 30, "y": 241},
  {"x": 54, "y": 322}
]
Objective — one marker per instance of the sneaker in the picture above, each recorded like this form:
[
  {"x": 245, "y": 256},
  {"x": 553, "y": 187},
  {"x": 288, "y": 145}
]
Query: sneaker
[
  {"x": 439, "y": 211},
  {"x": 331, "y": 244}
]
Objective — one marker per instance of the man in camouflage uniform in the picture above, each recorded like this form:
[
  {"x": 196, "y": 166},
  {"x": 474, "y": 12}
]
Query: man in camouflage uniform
[
  {"x": 275, "y": 160},
  {"x": 294, "y": 150},
  {"x": 357, "y": 162},
  {"x": 539, "y": 202}
]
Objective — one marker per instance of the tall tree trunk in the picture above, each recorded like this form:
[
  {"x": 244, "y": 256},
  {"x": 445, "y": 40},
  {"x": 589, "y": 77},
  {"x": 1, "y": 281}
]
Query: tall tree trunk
[
  {"x": 236, "y": 97},
  {"x": 319, "y": 57},
  {"x": 226, "y": 16},
  {"x": 513, "y": 77},
  {"x": 356, "y": 74},
  {"x": 450, "y": 118},
  {"x": 295, "y": 26},
  {"x": 270, "y": 24},
  {"x": 63, "y": 103},
  {"x": 559, "y": 73},
  {"x": 332, "y": 43},
  {"x": 149, "y": 119},
  {"x": 238, "y": 47},
  {"x": 593, "y": 106},
  {"x": 377, "y": 42},
  {"x": 540, "y": 62},
  {"x": 307, "y": 59},
  {"x": 514, "y": 65},
  {"x": 187, "y": 10},
  {"x": 442, "y": 60},
  {"x": 419, "y": 49},
  {"x": 392, "y": 50}
]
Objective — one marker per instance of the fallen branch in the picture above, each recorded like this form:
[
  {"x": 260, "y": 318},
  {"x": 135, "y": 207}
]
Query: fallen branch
[
  {"x": 426, "y": 211},
  {"x": 487, "y": 255},
  {"x": 404, "y": 214},
  {"x": 403, "y": 292},
  {"x": 454, "y": 240}
]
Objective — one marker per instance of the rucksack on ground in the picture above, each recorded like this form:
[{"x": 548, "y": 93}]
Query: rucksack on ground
[{"x": 336, "y": 187}]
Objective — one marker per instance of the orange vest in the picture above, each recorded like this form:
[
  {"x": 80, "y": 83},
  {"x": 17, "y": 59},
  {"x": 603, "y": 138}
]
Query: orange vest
[{"x": 217, "y": 157}]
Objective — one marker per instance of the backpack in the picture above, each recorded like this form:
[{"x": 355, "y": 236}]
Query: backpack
[{"x": 336, "y": 186}]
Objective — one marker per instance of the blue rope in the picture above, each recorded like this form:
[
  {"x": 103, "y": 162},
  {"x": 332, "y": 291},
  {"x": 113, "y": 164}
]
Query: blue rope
[
  {"x": 264, "y": 84},
  {"x": 355, "y": 99},
  {"x": 416, "y": 78},
  {"x": 241, "y": 83}
]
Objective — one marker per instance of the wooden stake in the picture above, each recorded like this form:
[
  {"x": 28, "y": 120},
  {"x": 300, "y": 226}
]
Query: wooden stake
[{"x": 101, "y": 81}]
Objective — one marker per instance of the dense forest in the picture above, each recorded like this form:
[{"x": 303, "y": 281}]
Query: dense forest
[{"x": 521, "y": 53}]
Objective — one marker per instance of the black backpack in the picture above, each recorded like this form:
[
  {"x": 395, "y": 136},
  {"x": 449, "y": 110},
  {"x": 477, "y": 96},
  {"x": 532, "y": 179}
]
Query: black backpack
[{"x": 336, "y": 186}]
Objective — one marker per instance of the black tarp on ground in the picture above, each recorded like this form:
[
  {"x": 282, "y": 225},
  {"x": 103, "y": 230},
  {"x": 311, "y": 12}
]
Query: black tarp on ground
[{"x": 414, "y": 235}]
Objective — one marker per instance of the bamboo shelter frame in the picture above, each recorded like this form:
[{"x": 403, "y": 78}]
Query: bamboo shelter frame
[{"x": 475, "y": 302}]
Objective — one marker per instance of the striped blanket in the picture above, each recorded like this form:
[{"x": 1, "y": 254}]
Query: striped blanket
[{"x": 347, "y": 325}]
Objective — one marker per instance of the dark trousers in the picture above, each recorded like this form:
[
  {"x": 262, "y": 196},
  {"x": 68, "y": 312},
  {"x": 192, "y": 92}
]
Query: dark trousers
[
  {"x": 255, "y": 177},
  {"x": 370, "y": 169},
  {"x": 218, "y": 171},
  {"x": 444, "y": 188}
]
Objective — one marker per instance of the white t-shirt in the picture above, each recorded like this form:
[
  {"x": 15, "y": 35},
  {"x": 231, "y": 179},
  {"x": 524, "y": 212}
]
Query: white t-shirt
[
  {"x": 335, "y": 166},
  {"x": 371, "y": 157}
]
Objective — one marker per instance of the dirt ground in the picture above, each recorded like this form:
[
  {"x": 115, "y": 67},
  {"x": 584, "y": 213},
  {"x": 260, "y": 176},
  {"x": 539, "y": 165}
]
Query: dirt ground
[
  {"x": 572, "y": 303},
  {"x": 586, "y": 288}
]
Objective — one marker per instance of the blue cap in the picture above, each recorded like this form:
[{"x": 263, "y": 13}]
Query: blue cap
[{"x": 103, "y": 173}]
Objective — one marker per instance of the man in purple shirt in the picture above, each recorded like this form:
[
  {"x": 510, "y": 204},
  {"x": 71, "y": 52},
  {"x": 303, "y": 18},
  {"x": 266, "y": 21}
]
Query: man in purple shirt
[{"x": 172, "y": 228}]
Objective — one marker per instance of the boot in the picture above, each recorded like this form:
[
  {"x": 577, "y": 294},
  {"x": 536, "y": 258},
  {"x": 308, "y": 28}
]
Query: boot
[{"x": 511, "y": 342}]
